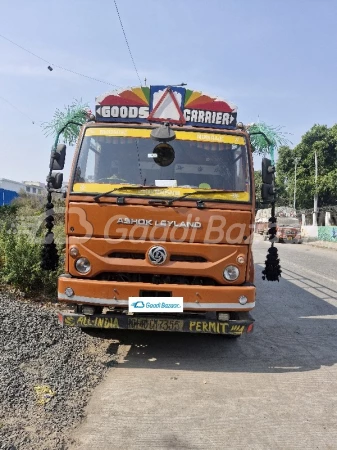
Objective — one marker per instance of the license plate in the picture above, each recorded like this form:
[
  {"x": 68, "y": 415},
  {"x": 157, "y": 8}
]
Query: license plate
[
  {"x": 290, "y": 238},
  {"x": 155, "y": 324},
  {"x": 150, "y": 323}
]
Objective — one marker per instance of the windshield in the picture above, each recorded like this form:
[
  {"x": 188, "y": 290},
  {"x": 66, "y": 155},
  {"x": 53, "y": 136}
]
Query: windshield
[{"x": 117, "y": 157}]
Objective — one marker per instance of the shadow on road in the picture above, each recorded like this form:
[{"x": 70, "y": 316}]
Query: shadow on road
[{"x": 295, "y": 331}]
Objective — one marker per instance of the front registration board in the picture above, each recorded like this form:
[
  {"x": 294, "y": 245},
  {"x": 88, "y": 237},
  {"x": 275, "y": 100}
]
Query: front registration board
[{"x": 185, "y": 325}]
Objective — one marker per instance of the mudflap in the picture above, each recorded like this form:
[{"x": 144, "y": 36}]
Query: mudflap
[{"x": 147, "y": 322}]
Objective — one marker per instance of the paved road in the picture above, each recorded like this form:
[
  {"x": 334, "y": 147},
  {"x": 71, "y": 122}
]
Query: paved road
[{"x": 274, "y": 389}]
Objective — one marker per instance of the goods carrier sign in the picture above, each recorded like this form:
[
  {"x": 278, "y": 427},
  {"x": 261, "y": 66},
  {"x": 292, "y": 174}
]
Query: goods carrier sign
[{"x": 166, "y": 103}]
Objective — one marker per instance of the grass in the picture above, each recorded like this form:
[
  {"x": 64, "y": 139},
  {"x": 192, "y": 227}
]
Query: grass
[{"x": 21, "y": 238}]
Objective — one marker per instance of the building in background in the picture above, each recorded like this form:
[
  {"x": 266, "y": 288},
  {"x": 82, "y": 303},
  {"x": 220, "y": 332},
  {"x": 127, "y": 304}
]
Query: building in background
[
  {"x": 34, "y": 187},
  {"x": 6, "y": 196},
  {"x": 10, "y": 189},
  {"x": 10, "y": 185}
]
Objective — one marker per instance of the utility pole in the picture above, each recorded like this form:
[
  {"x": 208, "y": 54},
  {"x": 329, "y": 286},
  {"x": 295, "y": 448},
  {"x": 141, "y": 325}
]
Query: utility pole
[
  {"x": 314, "y": 217},
  {"x": 296, "y": 162}
]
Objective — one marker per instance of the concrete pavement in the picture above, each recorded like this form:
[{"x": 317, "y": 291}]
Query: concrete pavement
[
  {"x": 322, "y": 244},
  {"x": 274, "y": 389}
]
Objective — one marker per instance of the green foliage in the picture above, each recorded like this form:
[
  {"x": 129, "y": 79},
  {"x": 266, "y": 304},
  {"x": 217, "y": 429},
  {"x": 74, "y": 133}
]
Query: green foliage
[
  {"x": 276, "y": 136},
  {"x": 258, "y": 184},
  {"x": 284, "y": 168},
  {"x": 26, "y": 205},
  {"x": 20, "y": 264},
  {"x": 21, "y": 234},
  {"x": 323, "y": 141},
  {"x": 7, "y": 213},
  {"x": 76, "y": 112}
]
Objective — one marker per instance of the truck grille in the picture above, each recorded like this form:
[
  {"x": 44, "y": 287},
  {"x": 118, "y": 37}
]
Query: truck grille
[
  {"x": 127, "y": 255},
  {"x": 156, "y": 278},
  {"x": 141, "y": 255},
  {"x": 187, "y": 258}
]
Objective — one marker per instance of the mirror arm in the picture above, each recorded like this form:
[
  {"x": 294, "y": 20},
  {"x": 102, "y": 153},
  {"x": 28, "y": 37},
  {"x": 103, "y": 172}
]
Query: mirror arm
[
  {"x": 62, "y": 129},
  {"x": 269, "y": 142},
  {"x": 49, "y": 181}
]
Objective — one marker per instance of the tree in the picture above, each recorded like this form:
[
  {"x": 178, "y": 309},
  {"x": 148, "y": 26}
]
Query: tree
[
  {"x": 323, "y": 141},
  {"x": 258, "y": 184},
  {"x": 284, "y": 176}
]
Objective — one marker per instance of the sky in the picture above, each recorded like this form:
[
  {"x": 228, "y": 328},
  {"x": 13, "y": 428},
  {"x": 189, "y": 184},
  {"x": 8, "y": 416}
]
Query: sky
[{"x": 275, "y": 59}]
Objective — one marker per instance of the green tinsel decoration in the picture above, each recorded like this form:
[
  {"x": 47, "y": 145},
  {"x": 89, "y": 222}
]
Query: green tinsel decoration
[
  {"x": 276, "y": 136},
  {"x": 76, "y": 112},
  {"x": 269, "y": 139},
  {"x": 68, "y": 123}
]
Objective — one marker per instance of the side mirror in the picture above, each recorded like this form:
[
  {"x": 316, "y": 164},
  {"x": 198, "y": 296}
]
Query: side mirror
[
  {"x": 268, "y": 171},
  {"x": 55, "y": 180},
  {"x": 58, "y": 157},
  {"x": 268, "y": 193}
]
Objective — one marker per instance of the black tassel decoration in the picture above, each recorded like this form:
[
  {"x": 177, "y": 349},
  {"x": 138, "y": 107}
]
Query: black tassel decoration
[
  {"x": 272, "y": 271},
  {"x": 49, "y": 254}
]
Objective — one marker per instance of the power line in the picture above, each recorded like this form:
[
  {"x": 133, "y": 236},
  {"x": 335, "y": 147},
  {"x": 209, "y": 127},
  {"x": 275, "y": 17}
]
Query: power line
[
  {"x": 15, "y": 107},
  {"x": 56, "y": 65},
  {"x": 127, "y": 44}
]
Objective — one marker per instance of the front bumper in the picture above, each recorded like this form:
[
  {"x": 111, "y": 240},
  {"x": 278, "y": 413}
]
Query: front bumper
[
  {"x": 116, "y": 294},
  {"x": 147, "y": 322}
]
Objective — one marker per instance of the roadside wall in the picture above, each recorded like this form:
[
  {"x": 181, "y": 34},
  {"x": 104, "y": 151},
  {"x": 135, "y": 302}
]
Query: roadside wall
[
  {"x": 320, "y": 233},
  {"x": 327, "y": 234},
  {"x": 309, "y": 232}
]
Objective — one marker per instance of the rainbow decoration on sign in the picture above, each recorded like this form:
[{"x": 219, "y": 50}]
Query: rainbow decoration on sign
[
  {"x": 137, "y": 96},
  {"x": 198, "y": 100},
  {"x": 165, "y": 103}
]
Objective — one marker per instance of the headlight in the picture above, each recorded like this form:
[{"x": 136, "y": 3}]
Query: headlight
[
  {"x": 83, "y": 265},
  {"x": 231, "y": 273}
]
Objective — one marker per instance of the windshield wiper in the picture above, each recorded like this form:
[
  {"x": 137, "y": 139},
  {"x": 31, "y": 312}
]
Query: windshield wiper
[
  {"x": 204, "y": 191},
  {"x": 131, "y": 187},
  {"x": 103, "y": 194}
]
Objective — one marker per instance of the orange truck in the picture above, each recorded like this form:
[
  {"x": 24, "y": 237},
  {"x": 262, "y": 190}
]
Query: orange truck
[{"x": 160, "y": 214}]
